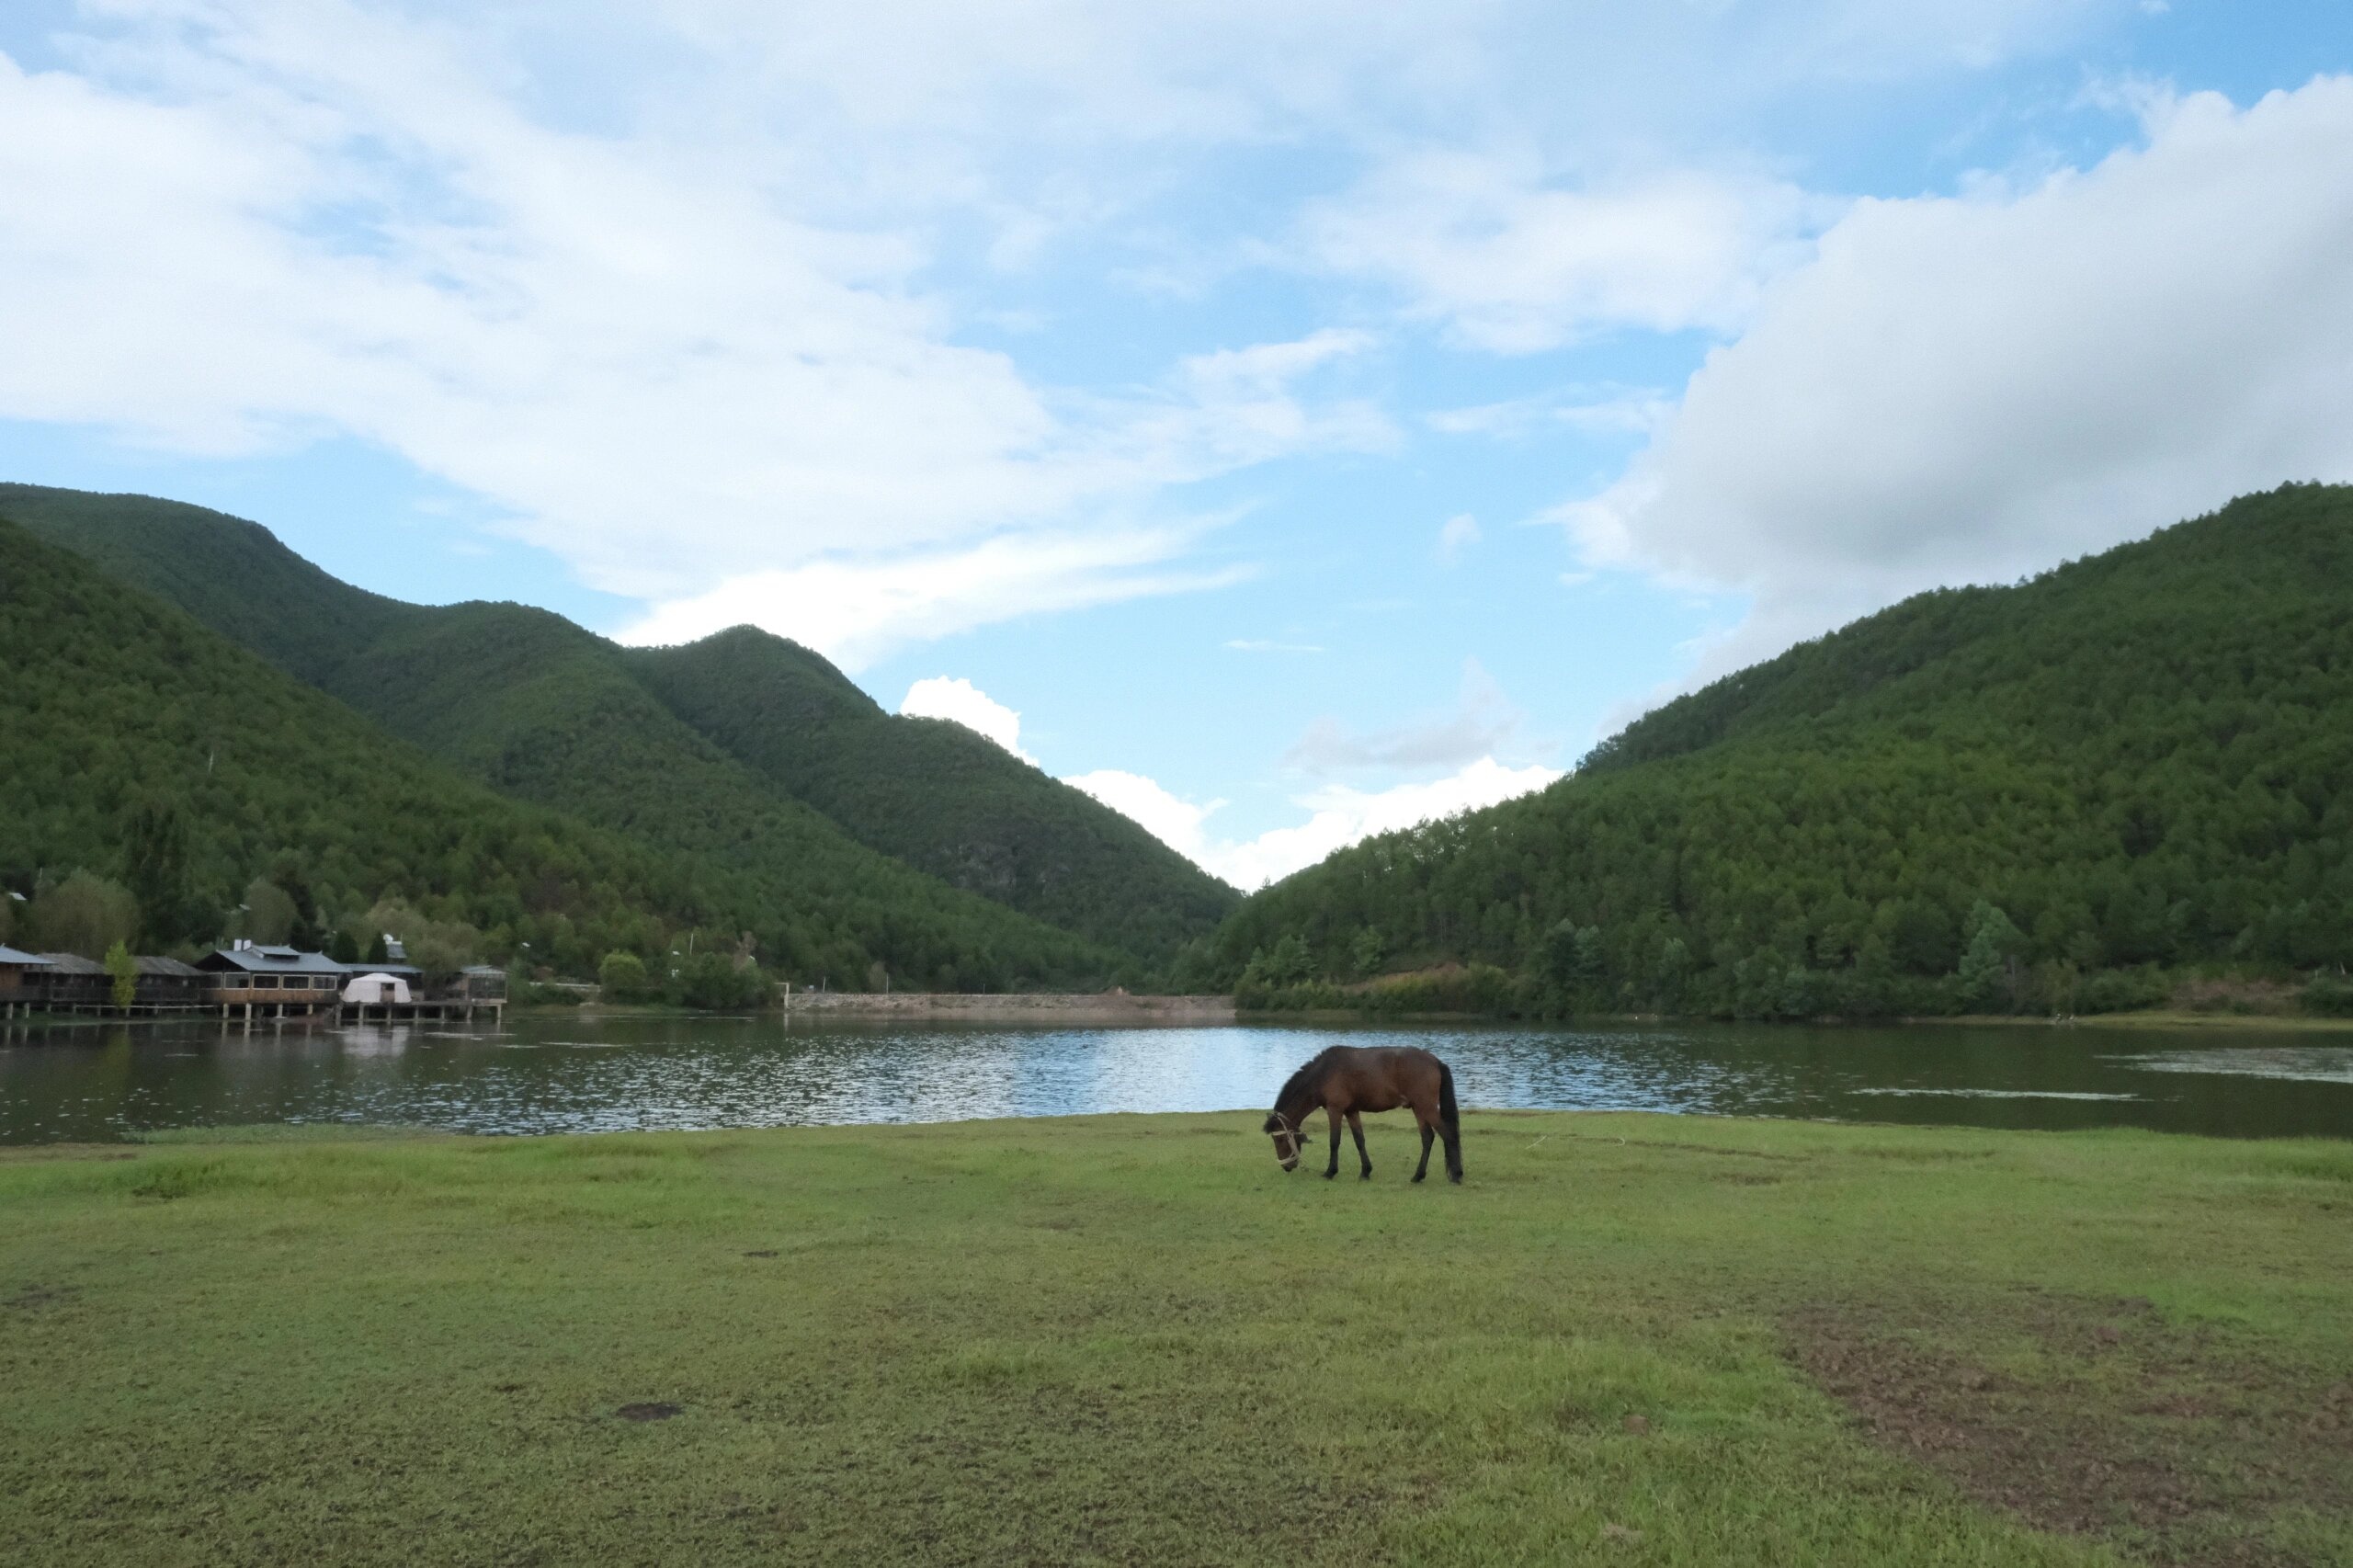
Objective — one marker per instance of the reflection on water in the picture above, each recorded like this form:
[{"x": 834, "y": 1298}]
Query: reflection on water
[
  {"x": 2304, "y": 1065},
  {"x": 572, "y": 1073},
  {"x": 2005, "y": 1094}
]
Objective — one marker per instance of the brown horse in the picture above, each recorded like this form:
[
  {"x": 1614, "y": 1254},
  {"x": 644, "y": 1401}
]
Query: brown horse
[{"x": 1347, "y": 1079}]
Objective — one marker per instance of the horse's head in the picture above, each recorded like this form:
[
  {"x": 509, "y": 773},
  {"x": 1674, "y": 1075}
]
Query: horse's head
[{"x": 1288, "y": 1141}]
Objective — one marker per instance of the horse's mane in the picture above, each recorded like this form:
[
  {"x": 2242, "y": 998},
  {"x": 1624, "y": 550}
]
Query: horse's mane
[{"x": 1310, "y": 1074}]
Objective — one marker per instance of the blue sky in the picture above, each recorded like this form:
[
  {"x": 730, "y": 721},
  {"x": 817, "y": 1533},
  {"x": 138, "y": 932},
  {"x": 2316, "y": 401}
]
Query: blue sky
[{"x": 1285, "y": 421}]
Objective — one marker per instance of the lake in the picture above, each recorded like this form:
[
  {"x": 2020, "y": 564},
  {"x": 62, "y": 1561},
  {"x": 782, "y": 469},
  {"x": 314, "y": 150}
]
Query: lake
[{"x": 556, "y": 1073}]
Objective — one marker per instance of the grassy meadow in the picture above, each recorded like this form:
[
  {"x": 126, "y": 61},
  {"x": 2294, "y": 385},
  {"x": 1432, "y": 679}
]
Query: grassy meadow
[{"x": 1627, "y": 1339}]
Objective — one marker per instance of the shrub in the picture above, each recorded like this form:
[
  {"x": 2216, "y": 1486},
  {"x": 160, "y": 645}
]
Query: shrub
[
  {"x": 623, "y": 978},
  {"x": 716, "y": 981},
  {"x": 2121, "y": 990},
  {"x": 2330, "y": 998}
]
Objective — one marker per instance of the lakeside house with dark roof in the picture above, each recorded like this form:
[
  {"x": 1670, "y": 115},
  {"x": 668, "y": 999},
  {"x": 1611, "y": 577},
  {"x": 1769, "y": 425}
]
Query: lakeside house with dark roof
[
  {"x": 24, "y": 981},
  {"x": 71, "y": 980},
  {"x": 289, "y": 983},
  {"x": 168, "y": 982},
  {"x": 255, "y": 980}
]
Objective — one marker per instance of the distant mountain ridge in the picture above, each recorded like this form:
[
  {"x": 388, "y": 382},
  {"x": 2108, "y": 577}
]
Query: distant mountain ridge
[
  {"x": 2051, "y": 796},
  {"x": 934, "y": 794},
  {"x": 113, "y": 699},
  {"x": 741, "y": 745}
]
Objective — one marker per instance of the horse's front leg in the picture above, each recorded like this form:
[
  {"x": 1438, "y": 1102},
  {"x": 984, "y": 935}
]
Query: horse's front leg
[
  {"x": 1356, "y": 1130},
  {"x": 1332, "y": 1114}
]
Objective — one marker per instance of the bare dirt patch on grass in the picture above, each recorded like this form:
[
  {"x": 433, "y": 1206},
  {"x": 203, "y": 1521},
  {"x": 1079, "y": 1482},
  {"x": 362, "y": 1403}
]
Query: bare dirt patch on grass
[
  {"x": 2097, "y": 1419},
  {"x": 34, "y": 1297}
]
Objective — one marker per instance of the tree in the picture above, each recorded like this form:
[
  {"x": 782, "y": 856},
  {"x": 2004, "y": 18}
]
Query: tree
[
  {"x": 1365, "y": 953},
  {"x": 434, "y": 945},
  {"x": 269, "y": 913},
  {"x": 155, "y": 850},
  {"x": 291, "y": 874},
  {"x": 84, "y": 915},
  {"x": 125, "y": 970},
  {"x": 1988, "y": 961},
  {"x": 622, "y": 977},
  {"x": 377, "y": 950},
  {"x": 343, "y": 948},
  {"x": 715, "y": 980}
]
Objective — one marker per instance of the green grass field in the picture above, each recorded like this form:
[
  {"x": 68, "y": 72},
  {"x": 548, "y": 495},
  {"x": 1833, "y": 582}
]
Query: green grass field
[{"x": 1626, "y": 1339}]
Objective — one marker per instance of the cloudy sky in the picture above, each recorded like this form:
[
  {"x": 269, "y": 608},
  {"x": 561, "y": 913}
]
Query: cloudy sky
[{"x": 1283, "y": 420}]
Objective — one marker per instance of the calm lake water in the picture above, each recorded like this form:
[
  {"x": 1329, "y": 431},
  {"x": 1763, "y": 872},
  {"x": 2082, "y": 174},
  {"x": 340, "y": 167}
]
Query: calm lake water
[{"x": 558, "y": 1074}]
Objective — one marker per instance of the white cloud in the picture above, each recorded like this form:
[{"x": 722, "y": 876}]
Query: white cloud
[
  {"x": 954, "y": 699},
  {"x": 1593, "y": 412},
  {"x": 1177, "y": 823},
  {"x": 1338, "y": 816},
  {"x": 632, "y": 345},
  {"x": 1457, "y": 534},
  {"x": 855, "y": 612},
  {"x": 1483, "y": 720},
  {"x": 688, "y": 293},
  {"x": 1967, "y": 389},
  {"x": 1514, "y": 263}
]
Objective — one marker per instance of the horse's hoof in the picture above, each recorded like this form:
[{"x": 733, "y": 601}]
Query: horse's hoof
[
  {"x": 1365, "y": 1175},
  {"x": 1421, "y": 1175},
  {"x": 1454, "y": 1177},
  {"x": 1329, "y": 1175}
]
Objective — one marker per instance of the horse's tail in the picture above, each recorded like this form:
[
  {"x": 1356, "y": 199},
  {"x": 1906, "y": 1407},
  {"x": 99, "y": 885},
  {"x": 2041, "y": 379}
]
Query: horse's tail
[{"x": 1447, "y": 1110}]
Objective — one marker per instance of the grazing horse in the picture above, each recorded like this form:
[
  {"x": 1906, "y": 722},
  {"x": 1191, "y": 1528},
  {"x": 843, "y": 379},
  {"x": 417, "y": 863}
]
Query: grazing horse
[{"x": 1347, "y": 1079}]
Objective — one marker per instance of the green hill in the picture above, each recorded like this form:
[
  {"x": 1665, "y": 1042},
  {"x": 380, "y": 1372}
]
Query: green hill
[
  {"x": 2056, "y": 796},
  {"x": 232, "y": 576},
  {"x": 744, "y": 745},
  {"x": 935, "y": 795},
  {"x": 114, "y": 700}
]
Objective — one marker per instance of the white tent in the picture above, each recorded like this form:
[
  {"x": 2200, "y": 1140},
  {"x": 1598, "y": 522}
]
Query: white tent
[{"x": 376, "y": 990}]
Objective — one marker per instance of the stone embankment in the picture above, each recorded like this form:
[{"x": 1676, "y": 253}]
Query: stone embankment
[{"x": 1110, "y": 1006}]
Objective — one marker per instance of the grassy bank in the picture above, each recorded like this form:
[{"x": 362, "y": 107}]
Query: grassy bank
[{"x": 1627, "y": 1339}]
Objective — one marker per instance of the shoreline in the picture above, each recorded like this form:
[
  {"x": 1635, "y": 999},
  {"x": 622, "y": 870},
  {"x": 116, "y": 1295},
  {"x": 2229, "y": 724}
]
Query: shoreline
[
  {"x": 1113, "y": 1006},
  {"x": 1214, "y": 1011},
  {"x": 2154, "y": 1018}
]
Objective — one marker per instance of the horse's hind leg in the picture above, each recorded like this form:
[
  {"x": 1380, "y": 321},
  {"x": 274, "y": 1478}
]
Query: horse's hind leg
[
  {"x": 1333, "y": 1169},
  {"x": 1430, "y": 1136},
  {"x": 1356, "y": 1130}
]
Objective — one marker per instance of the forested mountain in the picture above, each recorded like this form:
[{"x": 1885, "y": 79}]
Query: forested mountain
[
  {"x": 232, "y": 576},
  {"x": 118, "y": 709},
  {"x": 935, "y": 794},
  {"x": 2049, "y": 796},
  {"x": 744, "y": 745}
]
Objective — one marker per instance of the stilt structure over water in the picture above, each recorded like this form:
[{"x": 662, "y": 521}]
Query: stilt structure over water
[{"x": 247, "y": 984}]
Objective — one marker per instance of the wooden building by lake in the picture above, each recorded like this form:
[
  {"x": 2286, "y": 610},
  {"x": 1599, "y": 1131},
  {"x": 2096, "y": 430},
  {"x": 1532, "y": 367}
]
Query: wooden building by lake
[
  {"x": 169, "y": 983},
  {"x": 23, "y": 982},
  {"x": 72, "y": 984},
  {"x": 271, "y": 983}
]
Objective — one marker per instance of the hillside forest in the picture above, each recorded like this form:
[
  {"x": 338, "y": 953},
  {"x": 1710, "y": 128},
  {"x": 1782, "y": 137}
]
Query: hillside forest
[
  {"x": 166, "y": 787},
  {"x": 2097, "y": 789}
]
